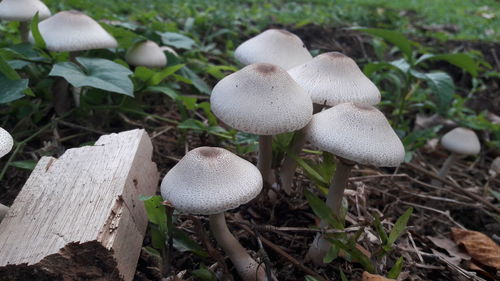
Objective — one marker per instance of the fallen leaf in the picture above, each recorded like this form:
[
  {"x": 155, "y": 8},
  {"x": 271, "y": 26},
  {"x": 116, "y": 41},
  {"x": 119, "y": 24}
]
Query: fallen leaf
[
  {"x": 450, "y": 247},
  {"x": 373, "y": 277},
  {"x": 479, "y": 246}
]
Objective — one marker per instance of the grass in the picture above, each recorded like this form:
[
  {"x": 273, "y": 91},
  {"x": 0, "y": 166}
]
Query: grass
[{"x": 471, "y": 18}]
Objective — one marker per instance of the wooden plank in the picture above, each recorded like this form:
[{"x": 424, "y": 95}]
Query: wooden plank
[{"x": 79, "y": 217}]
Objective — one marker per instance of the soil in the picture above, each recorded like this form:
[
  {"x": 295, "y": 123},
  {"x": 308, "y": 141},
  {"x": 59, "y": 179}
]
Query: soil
[{"x": 386, "y": 192}]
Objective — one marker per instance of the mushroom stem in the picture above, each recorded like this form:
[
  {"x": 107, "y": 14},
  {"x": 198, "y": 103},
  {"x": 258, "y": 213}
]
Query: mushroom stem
[
  {"x": 247, "y": 268},
  {"x": 320, "y": 246},
  {"x": 24, "y": 30},
  {"x": 446, "y": 168},
  {"x": 289, "y": 165},
  {"x": 265, "y": 158},
  {"x": 3, "y": 211}
]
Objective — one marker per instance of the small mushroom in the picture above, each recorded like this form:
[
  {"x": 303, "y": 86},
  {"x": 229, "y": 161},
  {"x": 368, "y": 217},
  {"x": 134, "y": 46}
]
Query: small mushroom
[
  {"x": 330, "y": 79},
  {"x": 6, "y": 144},
  {"x": 459, "y": 141},
  {"x": 71, "y": 31},
  {"x": 262, "y": 99},
  {"x": 275, "y": 46},
  {"x": 356, "y": 134},
  {"x": 23, "y": 11},
  {"x": 494, "y": 171},
  {"x": 210, "y": 181},
  {"x": 146, "y": 53}
]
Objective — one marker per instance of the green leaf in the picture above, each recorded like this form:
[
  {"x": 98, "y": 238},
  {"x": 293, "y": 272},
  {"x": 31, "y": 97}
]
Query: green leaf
[
  {"x": 35, "y": 32},
  {"x": 183, "y": 243},
  {"x": 442, "y": 87},
  {"x": 356, "y": 254},
  {"x": 27, "y": 164},
  {"x": 396, "y": 38},
  {"x": 380, "y": 229},
  {"x": 332, "y": 254},
  {"x": 461, "y": 60},
  {"x": 177, "y": 40},
  {"x": 164, "y": 90},
  {"x": 399, "y": 227},
  {"x": 156, "y": 211},
  {"x": 97, "y": 73},
  {"x": 321, "y": 210},
  {"x": 7, "y": 70},
  {"x": 311, "y": 278},
  {"x": 204, "y": 274},
  {"x": 197, "y": 82},
  {"x": 310, "y": 171},
  {"x": 396, "y": 269},
  {"x": 496, "y": 194},
  {"x": 160, "y": 76},
  {"x": 12, "y": 89},
  {"x": 152, "y": 251}
]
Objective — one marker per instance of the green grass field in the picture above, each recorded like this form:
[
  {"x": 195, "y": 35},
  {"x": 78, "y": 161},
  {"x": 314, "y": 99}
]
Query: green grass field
[{"x": 472, "y": 19}]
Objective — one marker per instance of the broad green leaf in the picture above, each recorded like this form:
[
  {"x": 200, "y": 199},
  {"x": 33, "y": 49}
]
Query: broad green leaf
[
  {"x": 35, "y": 32},
  {"x": 12, "y": 89},
  {"x": 152, "y": 251},
  {"x": 311, "y": 278},
  {"x": 7, "y": 70},
  {"x": 463, "y": 61},
  {"x": 156, "y": 211},
  {"x": 399, "y": 227},
  {"x": 396, "y": 269},
  {"x": 496, "y": 194},
  {"x": 204, "y": 274},
  {"x": 159, "y": 76},
  {"x": 165, "y": 90},
  {"x": 332, "y": 254},
  {"x": 97, "y": 73},
  {"x": 396, "y": 38},
  {"x": 442, "y": 87},
  {"x": 321, "y": 210},
  {"x": 125, "y": 37},
  {"x": 27, "y": 165},
  {"x": 197, "y": 82},
  {"x": 356, "y": 254},
  {"x": 310, "y": 171},
  {"x": 158, "y": 238},
  {"x": 380, "y": 229},
  {"x": 177, "y": 40},
  {"x": 401, "y": 65}
]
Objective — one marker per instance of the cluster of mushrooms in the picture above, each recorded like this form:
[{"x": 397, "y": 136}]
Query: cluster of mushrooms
[{"x": 326, "y": 100}]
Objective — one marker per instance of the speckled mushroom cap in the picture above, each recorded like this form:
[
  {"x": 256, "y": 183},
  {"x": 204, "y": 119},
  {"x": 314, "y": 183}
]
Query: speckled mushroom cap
[
  {"x": 461, "y": 141},
  {"x": 261, "y": 99},
  {"x": 71, "y": 31},
  {"x": 211, "y": 180},
  {"x": 23, "y": 10},
  {"x": 275, "y": 46},
  {"x": 6, "y": 142},
  {"x": 359, "y": 133},
  {"x": 334, "y": 78},
  {"x": 146, "y": 53}
]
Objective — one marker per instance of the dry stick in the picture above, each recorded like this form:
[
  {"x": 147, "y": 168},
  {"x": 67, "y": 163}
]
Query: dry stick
[
  {"x": 455, "y": 186},
  {"x": 445, "y": 169},
  {"x": 263, "y": 254},
  {"x": 265, "y": 158},
  {"x": 284, "y": 254}
]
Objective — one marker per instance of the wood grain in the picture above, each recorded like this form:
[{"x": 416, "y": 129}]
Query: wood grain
[{"x": 79, "y": 217}]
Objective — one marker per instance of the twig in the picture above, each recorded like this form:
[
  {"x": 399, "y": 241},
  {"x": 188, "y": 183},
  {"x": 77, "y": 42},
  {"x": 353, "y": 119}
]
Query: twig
[
  {"x": 455, "y": 186},
  {"x": 264, "y": 256},
  {"x": 75, "y": 126},
  {"x": 272, "y": 228},
  {"x": 415, "y": 247},
  {"x": 291, "y": 259}
]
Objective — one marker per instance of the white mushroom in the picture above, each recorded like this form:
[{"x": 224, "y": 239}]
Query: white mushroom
[
  {"x": 330, "y": 79},
  {"x": 23, "y": 11},
  {"x": 6, "y": 144},
  {"x": 459, "y": 141},
  {"x": 262, "y": 99},
  {"x": 147, "y": 54},
  {"x": 356, "y": 134},
  {"x": 274, "y": 46},
  {"x": 71, "y": 31},
  {"x": 210, "y": 181}
]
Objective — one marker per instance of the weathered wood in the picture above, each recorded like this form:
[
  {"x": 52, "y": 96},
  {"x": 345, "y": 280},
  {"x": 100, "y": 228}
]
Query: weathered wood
[{"x": 79, "y": 217}]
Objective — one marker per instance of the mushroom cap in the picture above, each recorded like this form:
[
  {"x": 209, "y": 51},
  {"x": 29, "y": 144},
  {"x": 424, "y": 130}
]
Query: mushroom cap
[
  {"x": 359, "y": 133},
  {"x": 6, "y": 142},
  {"x": 334, "y": 78},
  {"x": 146, "y": 53},
  {"x": 261, "y": 99},
  {"x": 70, "y": 31},
  {"x": 461, "y": 141},
  {"x": 275, "y": 46},
  {"x": 23, "y": 10},
  {"x": 210, "y": 180}
]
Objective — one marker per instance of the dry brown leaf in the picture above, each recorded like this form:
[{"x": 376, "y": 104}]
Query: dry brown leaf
[
  {"x": 479, "y": 246},
  {"x": 373, "y": 277},
  {"x": 450, "y": 246}
]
